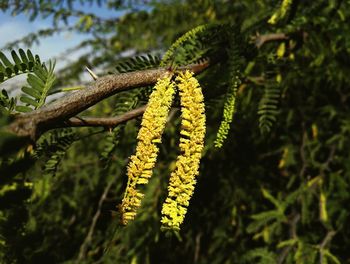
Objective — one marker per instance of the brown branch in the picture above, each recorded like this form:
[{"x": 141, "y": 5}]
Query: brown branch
[
  {"x": 33, "y": 124},
  {"x": 197, "y": 247},
  {"x": 328, "y": 238},
  {"x": 260, "y": 40},
  {"x": 88, "y": 238},
  {"x": 292, "y": 234},
  {"x": 303, "y": 154},
  {"x": 103, "y": 121},
  {"x": 325, "y": 165}
]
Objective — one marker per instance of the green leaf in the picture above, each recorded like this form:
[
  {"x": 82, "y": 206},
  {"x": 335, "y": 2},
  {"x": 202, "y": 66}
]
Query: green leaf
[
  {"x": 15, "y": 57},
  {"x": 30, "y": 101},
  {"x": 4, "y": 59},
  {"x": 9, "y": 72},
  {"x": 30, "y": 56},
  {"x": 286, "y": 243},
  {"x": 23, "y": 108},
  {"x": 2, "y": 68},
  {"x": 35, "y": 82},
  {"x": 23, "y": 67},
  {"x": 32, "y": 92},
  {"x": 23, "y": 56},
  {"x": 269, "y": 197}
]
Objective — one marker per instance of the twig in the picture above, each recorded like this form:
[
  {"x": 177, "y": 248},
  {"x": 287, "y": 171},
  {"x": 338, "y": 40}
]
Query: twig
[
  {"x": 324, "y": 243},
  {"x": 303, "y": 154},
  {"x": 88, "y": 238},
  {"x": 108, "y": 122},
  {"x": 260, "y": 40},
  {"x": 327, "y": 239},
  {"x": 325, "y": 165},
  {"x": 293, "y": 234},
  {"x": 197, "y": 247}
]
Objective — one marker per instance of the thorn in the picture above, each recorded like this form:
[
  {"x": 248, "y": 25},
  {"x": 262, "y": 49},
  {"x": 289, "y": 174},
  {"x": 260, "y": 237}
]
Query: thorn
[{"x": 92, "y": 74}]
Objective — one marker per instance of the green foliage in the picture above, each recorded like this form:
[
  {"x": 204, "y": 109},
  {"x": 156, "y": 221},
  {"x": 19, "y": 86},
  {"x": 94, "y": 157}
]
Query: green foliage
[
  {"x": 54, "y": 147},
  {"x": 261, "y": 256},
  {"x": 142, "y": 62}
]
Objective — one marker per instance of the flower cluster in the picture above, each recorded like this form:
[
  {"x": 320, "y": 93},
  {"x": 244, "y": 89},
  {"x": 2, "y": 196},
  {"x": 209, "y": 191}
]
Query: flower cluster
[
  {"x": 182, "y": 179},
  {"x": 141, "y": 164}
]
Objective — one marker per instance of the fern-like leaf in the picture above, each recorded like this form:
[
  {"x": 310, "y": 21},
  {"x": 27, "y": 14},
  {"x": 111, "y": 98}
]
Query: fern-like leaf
[
  {"x": 268, "y": 107},
  {"x": 235, "y": 67},
  {"x": 40, "y": 82},
  {"x": 54, "y": 148},
  {"x": 190, "y": 47},
  {"x": 23, "y": 62},
  {"x": 137, "y": 63}
]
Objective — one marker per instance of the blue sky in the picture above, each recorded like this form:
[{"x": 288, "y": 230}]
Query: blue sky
[
  {"x": 13, "y": 28},
  {"x": 16, "y": 27}
]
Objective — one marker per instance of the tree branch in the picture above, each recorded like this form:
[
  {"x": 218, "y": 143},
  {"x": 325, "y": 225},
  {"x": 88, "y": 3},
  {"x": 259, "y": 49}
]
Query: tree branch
[{"x": 33, "y": 124}]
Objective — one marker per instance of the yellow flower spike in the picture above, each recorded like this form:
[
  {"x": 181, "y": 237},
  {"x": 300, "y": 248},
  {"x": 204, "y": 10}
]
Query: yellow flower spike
[
  {"x": 141, "y": 164},
  {"x": 182, "y": 179}
]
